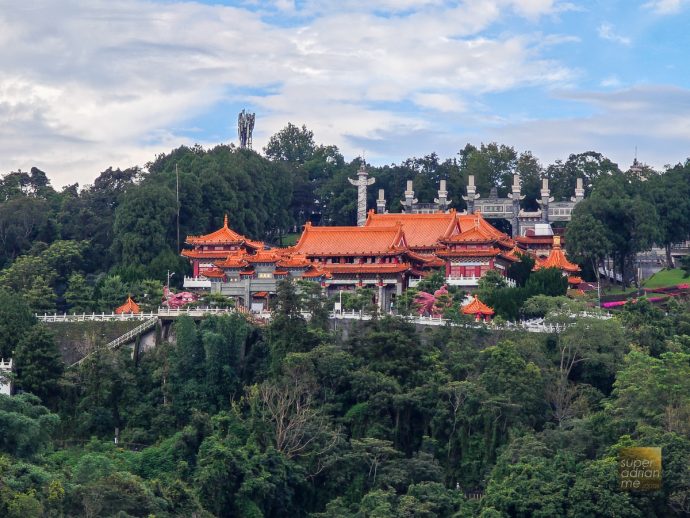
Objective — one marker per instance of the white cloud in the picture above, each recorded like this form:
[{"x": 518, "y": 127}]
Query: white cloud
[
  {"x": 90, "y": 84},
  {"x": 611, "y": 82},
  {"x": 654, "y": 118},
  {"x": 607, "y": 32},
  {"x": 665, "y": 6},
  {"x": 439, "y": 102}
]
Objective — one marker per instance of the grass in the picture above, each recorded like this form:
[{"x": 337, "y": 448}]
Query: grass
[{"x": 666, "y": 278}]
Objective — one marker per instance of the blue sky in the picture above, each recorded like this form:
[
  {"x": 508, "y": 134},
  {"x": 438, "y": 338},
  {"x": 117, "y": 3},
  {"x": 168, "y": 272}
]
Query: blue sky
[{"x": 89, "y": 84}]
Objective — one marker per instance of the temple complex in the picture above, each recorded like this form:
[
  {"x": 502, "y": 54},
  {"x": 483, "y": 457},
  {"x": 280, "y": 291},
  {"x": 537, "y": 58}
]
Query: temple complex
[{"x": 387, "y": 252}]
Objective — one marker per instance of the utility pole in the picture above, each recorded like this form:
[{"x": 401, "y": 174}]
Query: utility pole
[{"x": 177, "y": 195}]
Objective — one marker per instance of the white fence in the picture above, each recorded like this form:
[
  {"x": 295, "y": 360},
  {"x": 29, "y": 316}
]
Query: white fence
[
  {"x": 534, "y": 326},
  {"x": 113, "y": 317}
]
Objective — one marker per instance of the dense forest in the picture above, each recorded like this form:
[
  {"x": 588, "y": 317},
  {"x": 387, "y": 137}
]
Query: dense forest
[{"x": 296, "y": 418}]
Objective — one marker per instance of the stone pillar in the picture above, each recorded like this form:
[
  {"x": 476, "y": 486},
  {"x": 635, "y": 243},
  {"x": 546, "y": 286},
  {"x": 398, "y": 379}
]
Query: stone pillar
[
  {"x": 409, "y": 200},
  {"x": 579, "y": 192},
  {"x": 471, "y": 194},
  {"x": 545, "y": 200},
  {"x": 442, "y": 201},
  {"x": 381, "y": 203},
  {"x": 362, "y": 182},
  {"x": 516, "y": 197}
]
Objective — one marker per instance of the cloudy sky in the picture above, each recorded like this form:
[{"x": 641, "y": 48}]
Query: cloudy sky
[{"x": 89, "y": 84}]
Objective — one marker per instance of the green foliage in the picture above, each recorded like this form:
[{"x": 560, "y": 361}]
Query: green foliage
[
  {"x": 547, "y": 281},
  {"x": 15, "y": 320},
  {"x": 25, "y": 426},
  {"x": 39, "y": 364}
]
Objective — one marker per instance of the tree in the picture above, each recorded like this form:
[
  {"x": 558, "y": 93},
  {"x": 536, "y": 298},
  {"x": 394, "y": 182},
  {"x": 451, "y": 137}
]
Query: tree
[
  {"x": 291, "y": 144},
  {"x": 547, "y": 281},
  {"x": 670, "y": 195},
  {"x": 39, "y": 365},
  {"x": 79, "y": 294},
  {"x": 587, "y": 240},
  {"x": 112, "y": 292},
  {"x": 655, "y": 390},
  {"x": 16, "y": 319}
]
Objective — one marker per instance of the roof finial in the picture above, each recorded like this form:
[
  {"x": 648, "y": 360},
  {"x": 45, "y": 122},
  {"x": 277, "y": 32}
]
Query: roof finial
[{"x": 225, "y": 221}]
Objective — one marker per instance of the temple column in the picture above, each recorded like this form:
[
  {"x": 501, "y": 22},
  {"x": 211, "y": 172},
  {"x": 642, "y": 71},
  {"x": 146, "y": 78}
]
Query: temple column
[
  {"x": 471, "y": 194},
  {"x": 409, "y": 200},
  {"x": 545, "y": 200},
  {"x": 442, "y": 201},
  {"x": 516, "y": 197},
  {"x": 579, "y": 192},
  {"x": 362, "y": 182},
  {"x": 381, "y": 203}
]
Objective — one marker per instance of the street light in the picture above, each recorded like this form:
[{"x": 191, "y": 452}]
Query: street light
[{"x": 170, "y": 274}]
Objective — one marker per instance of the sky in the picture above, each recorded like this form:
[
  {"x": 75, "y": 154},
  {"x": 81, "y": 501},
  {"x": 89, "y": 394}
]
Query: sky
[{"x": 85, "y": 84}]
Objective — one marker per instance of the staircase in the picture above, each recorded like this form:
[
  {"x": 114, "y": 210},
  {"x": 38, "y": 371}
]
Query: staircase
[{"x": 125, "y": 338}]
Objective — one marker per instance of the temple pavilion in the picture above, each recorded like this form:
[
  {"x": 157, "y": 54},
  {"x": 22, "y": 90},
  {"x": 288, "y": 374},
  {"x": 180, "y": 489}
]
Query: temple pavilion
[
  {"x": 216, "y": 246},
  {"x": 557, "y": 259},
  {"x": 129, "y": 307},
  {"x": 478, "y": 310}
]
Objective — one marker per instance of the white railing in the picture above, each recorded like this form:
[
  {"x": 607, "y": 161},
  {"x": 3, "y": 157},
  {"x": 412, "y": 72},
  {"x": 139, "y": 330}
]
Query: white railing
[
  {"x": 114, "y": 317},
  {"x": 524, "y": 325}
]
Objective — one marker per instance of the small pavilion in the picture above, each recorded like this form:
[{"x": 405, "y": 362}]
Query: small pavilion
[
  {"x": 129, "y": 307},
  {"x": 557, "y": 259},
  {"x": 478, "y": 309}
]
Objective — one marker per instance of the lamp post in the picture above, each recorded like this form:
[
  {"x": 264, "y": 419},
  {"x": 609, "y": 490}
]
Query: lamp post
[{"x": 170, "y": 274}]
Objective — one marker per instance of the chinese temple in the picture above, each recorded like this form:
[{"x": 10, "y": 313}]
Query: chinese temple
[
  {"x": 478, "y": 248},
  {"x": 388, "y": 252},
  {"x": 216, "y": 246}
]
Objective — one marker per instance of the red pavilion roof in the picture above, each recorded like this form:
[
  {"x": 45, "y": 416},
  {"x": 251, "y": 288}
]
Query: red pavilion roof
[
  {"x": 129, "y": 307},
  {"x": 557, "y": 259},
  {"x": 476, "y": 306},
  {"x": 223, "y": 236}
]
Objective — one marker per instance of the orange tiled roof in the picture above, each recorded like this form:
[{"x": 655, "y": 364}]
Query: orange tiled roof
[
  {"x": 477, "y": 306},
  {"x": 213, "y": 273},
  {"x": 128, "y": 307},
  {"x": 574, "y": 279},
  {"x": 316, "y": 272},
  {"x": 352, "y": 268},
  {"x": 263, "y": 256},
  {"x": 343, "y": 241},
  {"x": 223, "y": 236},
  {"x": 234, "y": 260},
  {"x": 421, "y": 230},
  {"x": 205, "y": 254},
  {"x": 294, "y": 260},
  {"x": 557, "y": 259}
]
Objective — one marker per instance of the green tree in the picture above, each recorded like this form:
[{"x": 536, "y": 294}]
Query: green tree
[
  {"x": 547, "y": 281},
  {"x": 291, "y": 144},
  {"x": 79, "y": 294},
  {"x": 39, "y": 365},
  {"x": 16, "y": 319}
]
